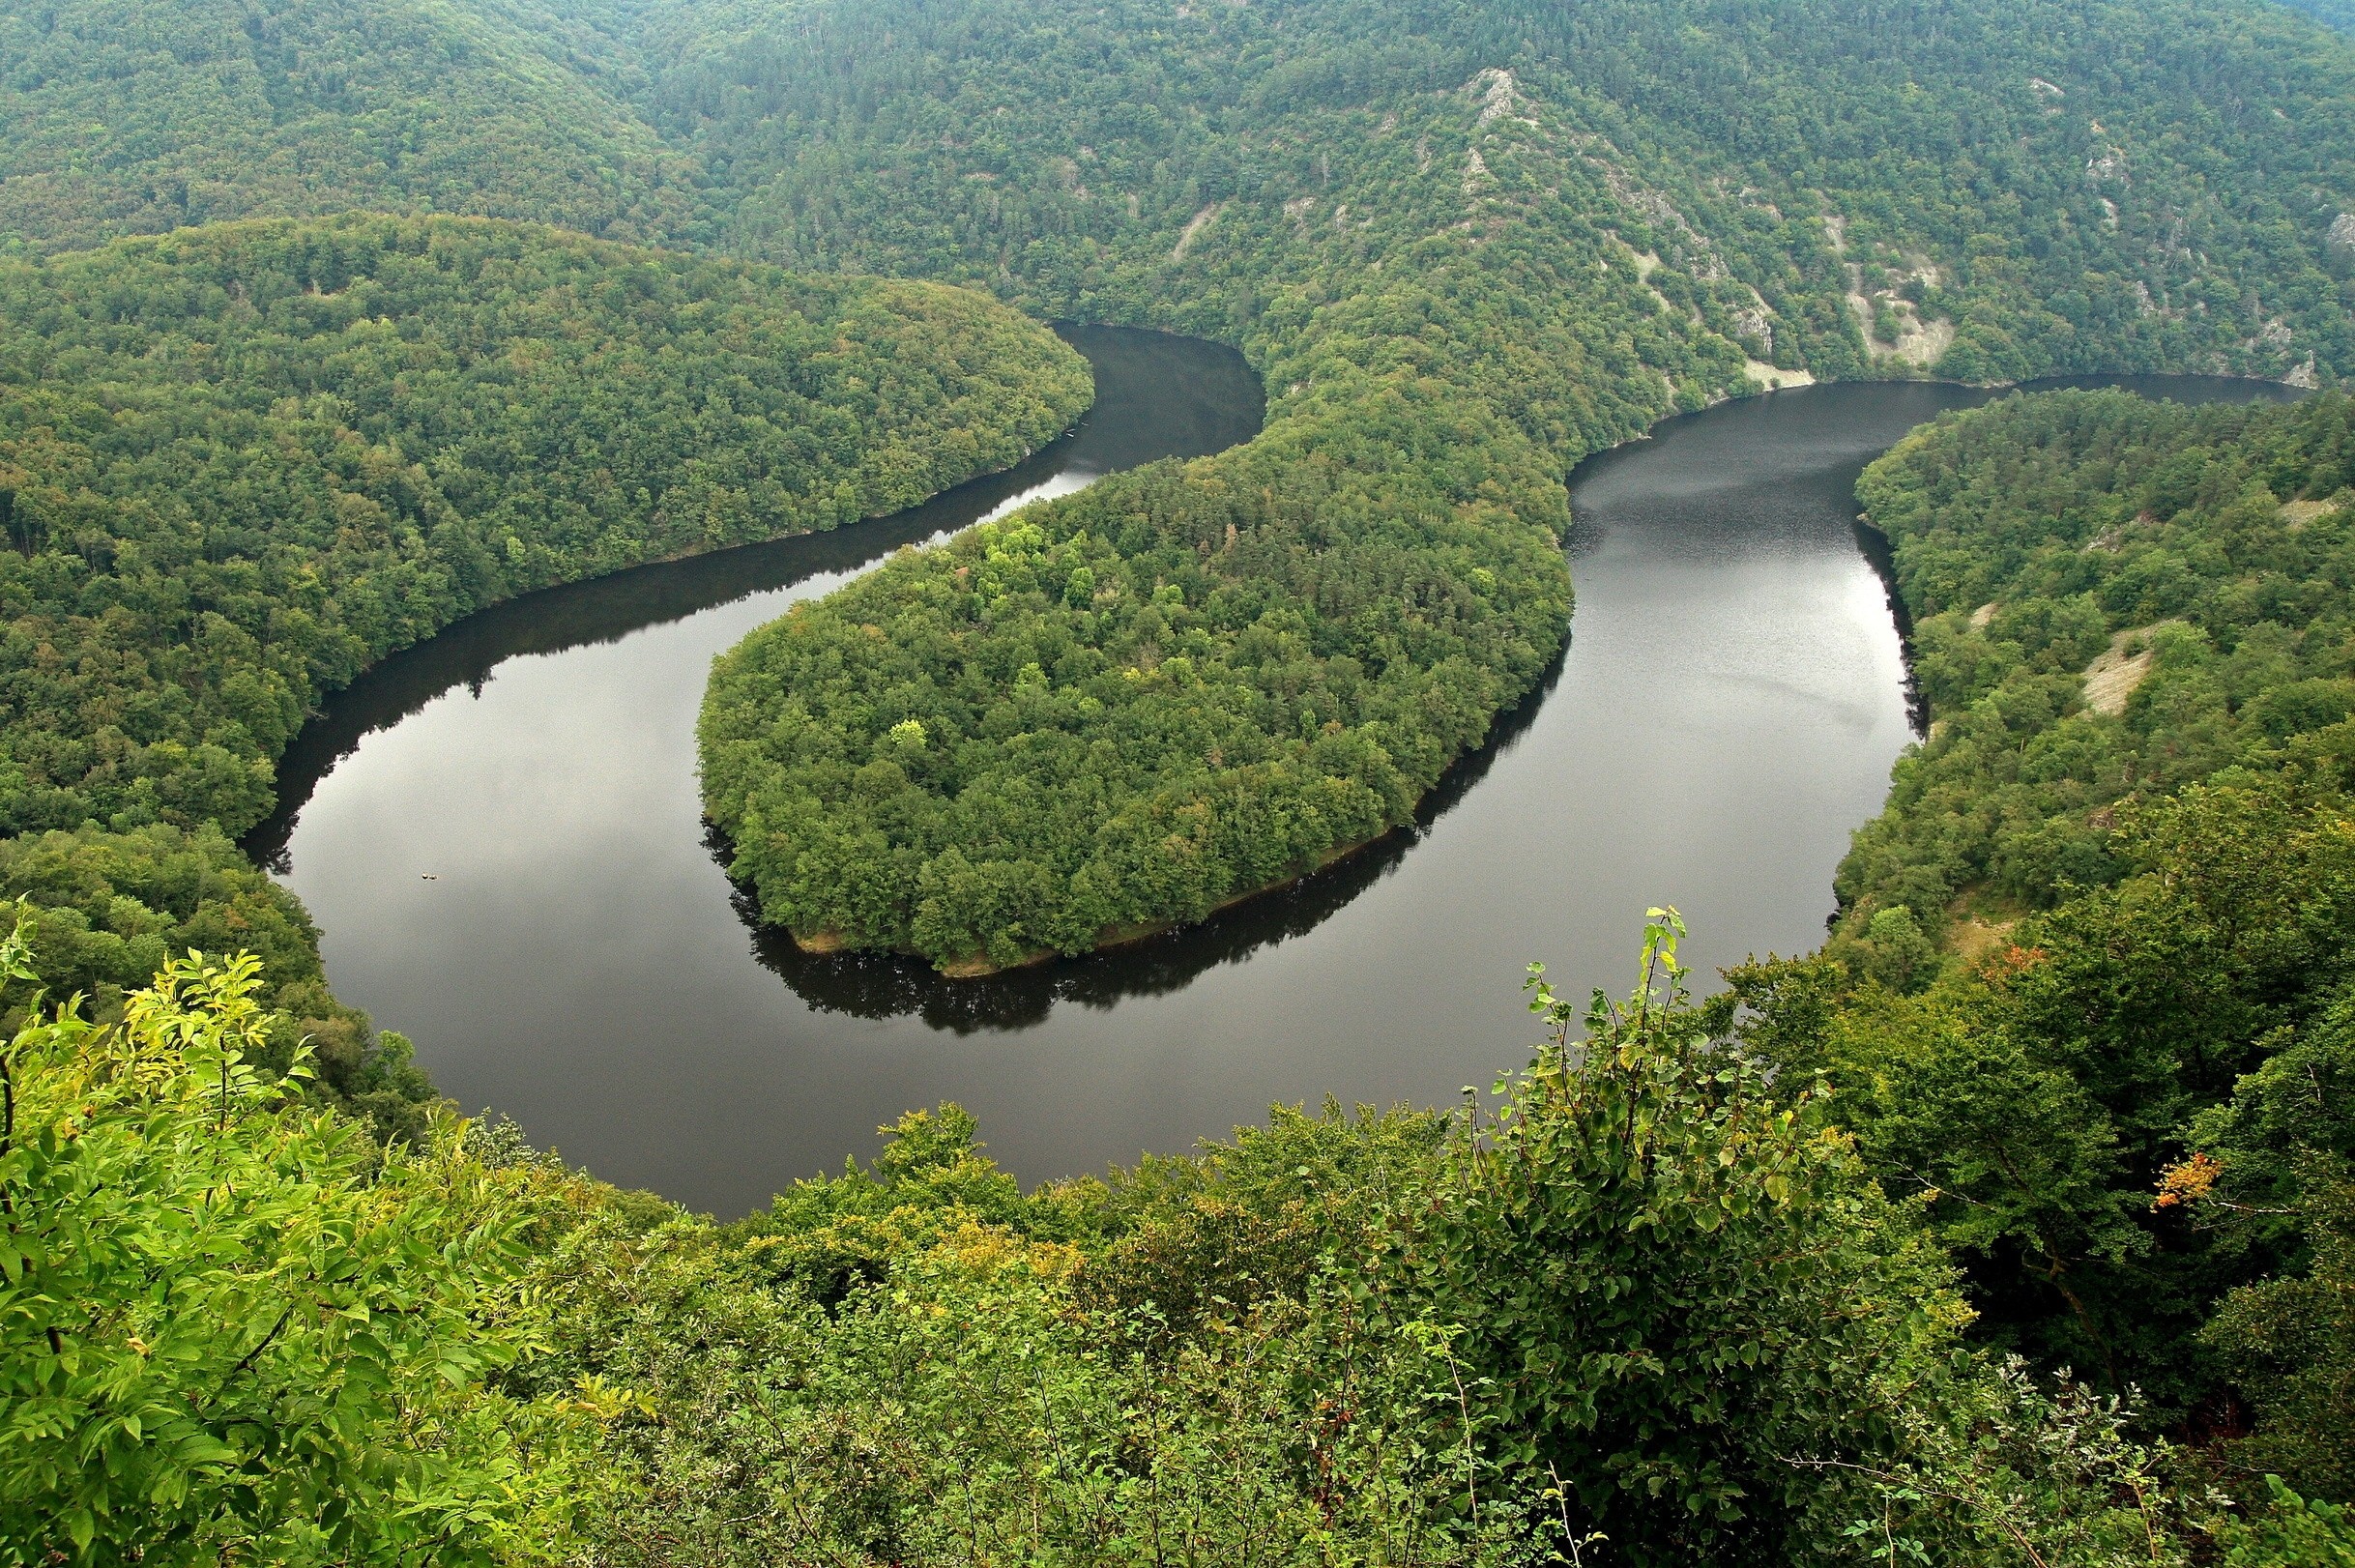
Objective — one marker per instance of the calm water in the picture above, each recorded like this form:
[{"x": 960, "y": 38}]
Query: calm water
[{"x": 1727, "y": 710}]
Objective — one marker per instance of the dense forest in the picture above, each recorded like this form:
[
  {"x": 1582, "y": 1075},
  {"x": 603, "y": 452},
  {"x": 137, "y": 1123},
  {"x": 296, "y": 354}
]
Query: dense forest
[
  {"x": 138, "y": 116},
  {"x": 1550, "y": 232},
  {"x": 2012, "y": 1228},
  {"x": 240, "y": 464},
  {"x": 115, "y": 908},
  {"x": 2338, "y": 13},
  {"x": 1215, "y": 684},
  {"x": 2109, "y": 595}
]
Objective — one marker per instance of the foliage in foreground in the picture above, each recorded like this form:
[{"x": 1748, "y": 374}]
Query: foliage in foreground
[
  {"x": 108, "y": 911},
  {"x": 236, "y": 1330},
  {"x": 1647, "y": 1311},
  {"x": 2295, "y": 1533},
  {"x": 2090, "y": 993}
]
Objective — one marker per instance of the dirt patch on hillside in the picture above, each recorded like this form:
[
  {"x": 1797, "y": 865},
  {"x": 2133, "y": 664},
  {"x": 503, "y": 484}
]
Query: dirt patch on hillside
[{"x": 2118, "y": 669}]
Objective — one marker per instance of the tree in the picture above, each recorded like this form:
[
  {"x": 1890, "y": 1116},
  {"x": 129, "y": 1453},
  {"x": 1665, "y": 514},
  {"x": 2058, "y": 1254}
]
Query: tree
[
  {"x": 1670, "y": 1276},
  {"x": 230, "y": 1328}
]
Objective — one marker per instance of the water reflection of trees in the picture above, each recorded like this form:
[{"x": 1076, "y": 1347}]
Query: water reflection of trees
[
  {"x": 1156, "y": 396},
  {"x": 604, "y": 610},
  {"x": 885, "y": 985},
  {"x": 880, "y": 986}
]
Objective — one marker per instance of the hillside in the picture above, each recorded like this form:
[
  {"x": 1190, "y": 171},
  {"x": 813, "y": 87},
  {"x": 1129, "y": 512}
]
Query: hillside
[
  {"x": 2111, "y": 596},
  {"x": 2337, "y": 12},
  {"x": 2122, "y": 1088},
  {"x": 1464, "y": 259},
  {"x": 2029, "y": 176},
  {"x": 243, "y": 463},
  {"x": 135, "y": 116}
]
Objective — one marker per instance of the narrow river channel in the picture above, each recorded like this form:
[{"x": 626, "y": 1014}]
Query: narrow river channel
[{"x": 499, "y": 831}]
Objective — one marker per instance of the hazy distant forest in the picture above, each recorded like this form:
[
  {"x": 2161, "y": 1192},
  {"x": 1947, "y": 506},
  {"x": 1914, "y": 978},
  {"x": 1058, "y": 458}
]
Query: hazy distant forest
[{"x": 2014, "y": 1226}]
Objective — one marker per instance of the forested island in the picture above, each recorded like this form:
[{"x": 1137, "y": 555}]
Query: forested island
[{"x": 2012, "y": 1227}]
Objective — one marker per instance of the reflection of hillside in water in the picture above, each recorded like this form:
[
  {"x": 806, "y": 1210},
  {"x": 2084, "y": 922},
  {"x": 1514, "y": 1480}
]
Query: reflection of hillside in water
[
  {"x": 1156, "y": 396},
  {"x": 604, "y": 610},
  {"x": 883, "y": 985}
]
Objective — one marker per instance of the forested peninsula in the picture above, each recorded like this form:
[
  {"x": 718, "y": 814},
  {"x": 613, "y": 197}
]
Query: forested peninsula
[
  {"x": 2012, "y": 1227},
  {"x": 1458, "y": 280}
]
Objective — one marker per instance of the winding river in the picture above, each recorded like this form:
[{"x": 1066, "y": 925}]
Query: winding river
[{"x": 499, "y": 831}]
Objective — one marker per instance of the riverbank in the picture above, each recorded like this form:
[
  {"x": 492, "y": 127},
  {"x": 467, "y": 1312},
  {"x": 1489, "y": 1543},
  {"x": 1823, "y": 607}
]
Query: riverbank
[{"x": 649, "y": 1027}]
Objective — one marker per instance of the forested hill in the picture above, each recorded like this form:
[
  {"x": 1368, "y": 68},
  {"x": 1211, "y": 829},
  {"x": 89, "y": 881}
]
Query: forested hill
[
  {"x": 1465, "y": 243},
  {"x": 1464, "y": 251},
  {"x": 2109, "y": 596},
  {"x": 2013, "y": 168},
  {"x": 134, "y": 116},
  {"x": 2052, "y": 185},
  {"x": 240, "y": 464}
]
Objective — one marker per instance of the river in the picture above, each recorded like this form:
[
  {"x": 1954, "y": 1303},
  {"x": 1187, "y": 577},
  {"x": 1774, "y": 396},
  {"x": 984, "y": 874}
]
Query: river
[{"x": 499, "y": 831}]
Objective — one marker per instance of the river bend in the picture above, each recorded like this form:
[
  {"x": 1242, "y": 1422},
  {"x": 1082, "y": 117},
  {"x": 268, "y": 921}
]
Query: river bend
[{"x": 500, "y": 832}]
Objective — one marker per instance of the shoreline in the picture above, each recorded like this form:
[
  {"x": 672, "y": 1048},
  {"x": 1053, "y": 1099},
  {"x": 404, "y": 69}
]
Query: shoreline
[
  {"x": 827, "y": 944},
  {"x": 1112, "y": 938}
]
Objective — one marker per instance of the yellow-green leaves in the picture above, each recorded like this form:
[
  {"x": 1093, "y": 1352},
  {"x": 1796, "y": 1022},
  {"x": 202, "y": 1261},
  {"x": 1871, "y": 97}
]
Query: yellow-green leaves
[{"x": 230, "y": 1328}]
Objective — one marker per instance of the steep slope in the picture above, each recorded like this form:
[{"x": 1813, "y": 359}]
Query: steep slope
[
  {"x": 2122, "y": 1088},
  {"x": 2047, "y": 187},
  {"x": 1466, "y": 243},
  {"x": 135, "y": 116},
  {"x": 2111, "y": 596}
]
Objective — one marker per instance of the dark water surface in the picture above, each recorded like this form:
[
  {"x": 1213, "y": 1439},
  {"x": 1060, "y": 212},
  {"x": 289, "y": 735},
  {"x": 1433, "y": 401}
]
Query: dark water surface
[{"x": 1727, "y": 710}]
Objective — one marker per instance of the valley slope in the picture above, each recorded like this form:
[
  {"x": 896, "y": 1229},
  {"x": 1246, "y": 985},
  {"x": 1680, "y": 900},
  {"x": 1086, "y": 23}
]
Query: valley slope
[{"x": 1666, "y": 1297}]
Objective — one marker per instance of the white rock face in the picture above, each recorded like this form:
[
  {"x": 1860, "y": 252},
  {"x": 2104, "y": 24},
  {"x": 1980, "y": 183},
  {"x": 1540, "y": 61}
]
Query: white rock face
[{"x": 2117, "y": 669}]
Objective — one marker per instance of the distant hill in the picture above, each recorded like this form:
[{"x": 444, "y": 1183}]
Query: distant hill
[
  {"x": 2339, "y": 14},
  {"x": 136, "y": 116}
]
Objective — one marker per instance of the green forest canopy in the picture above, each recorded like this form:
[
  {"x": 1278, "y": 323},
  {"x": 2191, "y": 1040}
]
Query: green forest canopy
[
  {"x": 2090, "y": 996},
  {"x": 135, "y": 117},
  {"x": 2339, "y": 14},
  {"x": 1465, "y": 243},
  {"x": 240, "y": 464},
  {"x": 1508, "y": 235}
]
